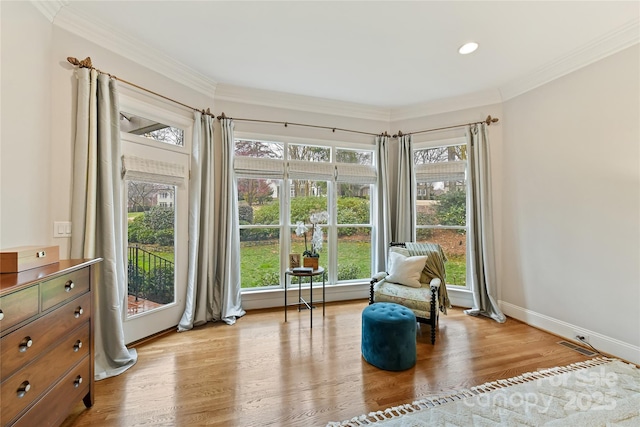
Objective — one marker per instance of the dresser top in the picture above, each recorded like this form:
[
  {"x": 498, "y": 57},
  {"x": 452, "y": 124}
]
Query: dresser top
[{"x": 10, "y": 282}]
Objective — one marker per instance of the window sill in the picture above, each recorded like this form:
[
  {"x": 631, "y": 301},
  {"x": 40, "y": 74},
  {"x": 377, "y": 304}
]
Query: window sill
[{"x": 267, "y": 298}]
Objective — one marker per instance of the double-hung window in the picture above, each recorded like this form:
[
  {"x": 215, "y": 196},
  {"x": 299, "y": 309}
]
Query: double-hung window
[
  {"x": 281, "y": 183},
  {"x": 441, "y": 202}
]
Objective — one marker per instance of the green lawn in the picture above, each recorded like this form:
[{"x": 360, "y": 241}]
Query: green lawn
[{"x": 259, "y": 263}]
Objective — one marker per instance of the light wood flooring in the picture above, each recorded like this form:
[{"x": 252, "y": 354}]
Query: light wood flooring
[{"x": 264, "y": 372}]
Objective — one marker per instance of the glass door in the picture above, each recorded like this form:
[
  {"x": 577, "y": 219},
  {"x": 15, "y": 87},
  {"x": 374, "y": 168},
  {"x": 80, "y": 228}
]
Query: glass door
[{"x": 156, "y": 226}]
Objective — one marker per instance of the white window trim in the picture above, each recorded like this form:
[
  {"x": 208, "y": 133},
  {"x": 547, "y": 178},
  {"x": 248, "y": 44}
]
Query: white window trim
[{"x": 450, "y": 142}]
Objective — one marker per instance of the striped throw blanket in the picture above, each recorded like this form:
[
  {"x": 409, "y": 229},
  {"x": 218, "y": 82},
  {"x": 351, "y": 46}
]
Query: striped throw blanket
[{"x": 434, "y": 267}]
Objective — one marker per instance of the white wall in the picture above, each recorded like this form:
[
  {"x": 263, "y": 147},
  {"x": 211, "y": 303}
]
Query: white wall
[
  {"x": 570, "y": 207},
  {"x": 25, "y": 144}
]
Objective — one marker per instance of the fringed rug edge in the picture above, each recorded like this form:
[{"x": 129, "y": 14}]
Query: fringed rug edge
[{"x": 432, "y": 401}]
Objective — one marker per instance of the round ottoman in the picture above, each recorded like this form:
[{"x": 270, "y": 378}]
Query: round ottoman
[{"x": 389, "y": 336}]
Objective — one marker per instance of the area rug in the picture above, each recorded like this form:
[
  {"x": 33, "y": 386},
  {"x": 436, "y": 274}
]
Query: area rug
[{"x": 597, "y": 392}]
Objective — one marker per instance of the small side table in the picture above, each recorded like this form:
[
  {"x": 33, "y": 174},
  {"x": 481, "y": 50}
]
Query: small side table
[{"x": 302, "y": 303}]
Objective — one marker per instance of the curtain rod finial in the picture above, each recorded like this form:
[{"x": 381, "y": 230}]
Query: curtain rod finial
[
  {"x": 490, "y": 120},
  {"x": 85, "y": 63}
]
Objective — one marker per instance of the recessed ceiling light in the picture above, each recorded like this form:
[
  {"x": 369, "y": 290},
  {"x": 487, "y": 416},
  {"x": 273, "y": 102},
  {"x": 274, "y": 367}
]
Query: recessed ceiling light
[{"x": 468, "y": 48}]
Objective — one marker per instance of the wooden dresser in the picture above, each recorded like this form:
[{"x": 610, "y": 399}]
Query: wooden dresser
[{"x": 46, "y": 342}]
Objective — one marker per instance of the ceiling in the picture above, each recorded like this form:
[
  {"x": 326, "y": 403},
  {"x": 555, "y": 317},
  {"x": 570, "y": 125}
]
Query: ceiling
[{"x": 384, "y": 54}]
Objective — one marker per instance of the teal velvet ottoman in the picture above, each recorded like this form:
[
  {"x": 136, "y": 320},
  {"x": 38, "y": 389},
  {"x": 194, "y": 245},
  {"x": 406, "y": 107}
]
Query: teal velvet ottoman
[{"x": 389, "y": 336}]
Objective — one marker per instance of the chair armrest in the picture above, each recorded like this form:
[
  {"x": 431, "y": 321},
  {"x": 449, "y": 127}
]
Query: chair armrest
[
  {"x": 435, "y": 283},
  {"x": 378, "y": 276}
]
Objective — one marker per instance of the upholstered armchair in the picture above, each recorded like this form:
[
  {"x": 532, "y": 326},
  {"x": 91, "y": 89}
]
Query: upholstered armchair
[{"x": 415, "y": 278}]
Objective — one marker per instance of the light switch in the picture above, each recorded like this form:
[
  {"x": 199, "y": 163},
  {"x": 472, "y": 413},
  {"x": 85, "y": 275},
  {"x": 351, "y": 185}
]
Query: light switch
[{"x": 61, "y": 229}]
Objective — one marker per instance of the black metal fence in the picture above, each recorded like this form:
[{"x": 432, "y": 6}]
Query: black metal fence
[{"x": 150, "y": 276}]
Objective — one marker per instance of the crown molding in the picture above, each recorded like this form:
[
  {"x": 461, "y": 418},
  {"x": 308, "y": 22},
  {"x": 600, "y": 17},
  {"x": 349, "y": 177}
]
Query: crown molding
[
  {"x": 134, "y": 50},
  {"x": 472, "y": 100},
  {"x": 612, "y": 42},
  {"x": 49, "y": 8},
  {"x": 309, "y": 104}
]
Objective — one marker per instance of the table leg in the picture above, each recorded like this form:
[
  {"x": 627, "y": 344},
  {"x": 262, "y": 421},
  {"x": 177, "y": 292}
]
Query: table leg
[
  {"x": 311, "y": 302},
  {"x": 286, "y": 277}
]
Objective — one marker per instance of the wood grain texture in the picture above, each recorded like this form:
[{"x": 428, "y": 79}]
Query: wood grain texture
[{"x": 264, "y": 372}]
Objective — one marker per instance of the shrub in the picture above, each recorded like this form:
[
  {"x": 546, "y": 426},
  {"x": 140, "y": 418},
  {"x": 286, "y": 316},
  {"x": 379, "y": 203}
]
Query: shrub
[
  {"x": 348, "y": 272},
  {"x": 269, "y": 279},
  {"x": 245, "y": 214},
  {"x": 451, "y": 208}
]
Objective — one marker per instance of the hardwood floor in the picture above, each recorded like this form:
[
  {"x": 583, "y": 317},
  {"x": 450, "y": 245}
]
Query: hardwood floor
[{"x": 264, "y": 372}]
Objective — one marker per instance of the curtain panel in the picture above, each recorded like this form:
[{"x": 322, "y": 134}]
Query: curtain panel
[
  {"x": 406, "y": 200},
  {"x": 383, "y": 207},
  {"x": 97, "y": 214},
  {"x": 481, "y": 250}
]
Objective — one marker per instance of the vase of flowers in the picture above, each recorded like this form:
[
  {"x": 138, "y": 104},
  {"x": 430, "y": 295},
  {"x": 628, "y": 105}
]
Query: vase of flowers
[{"x": 311, "y": 256}]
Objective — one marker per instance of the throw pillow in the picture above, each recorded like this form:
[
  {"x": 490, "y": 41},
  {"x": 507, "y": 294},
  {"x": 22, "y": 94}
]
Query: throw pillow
[{"x": 405, "y": 270}]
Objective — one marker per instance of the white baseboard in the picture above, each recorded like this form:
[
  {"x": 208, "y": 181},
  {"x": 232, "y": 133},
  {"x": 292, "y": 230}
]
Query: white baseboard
[{"x": 566, "y": 330}]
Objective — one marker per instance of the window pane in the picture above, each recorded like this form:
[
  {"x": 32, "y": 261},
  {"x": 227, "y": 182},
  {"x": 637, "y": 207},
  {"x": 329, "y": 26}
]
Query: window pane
[
  {"x": 446, "y": 207},
  {"x": 454, "y": 245},
  {"x": 258, "y": 201},
  {"x": 307, "y": 197},
  {"x": 259, "y": 257},
  {"x": 261, "y": 149},
  {"x": 440, "y": 154},
  {"x": 359, "y": 157},
  {"x": 150, "y": 254},
  {"x": 354, "y": 206},
  {"x": 151, "y": 129},
  {"x": 354, "y": 253},
  {"x": 309, "y": 153}
]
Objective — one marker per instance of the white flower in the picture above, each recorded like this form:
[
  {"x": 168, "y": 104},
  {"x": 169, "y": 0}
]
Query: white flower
[
  {"x": 316, "y": 240},
  {"x": 301, "y": 228}
]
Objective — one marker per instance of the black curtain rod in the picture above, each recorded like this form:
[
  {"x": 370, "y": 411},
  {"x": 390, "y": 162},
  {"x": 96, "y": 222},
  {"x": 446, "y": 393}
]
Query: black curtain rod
[
  {"x": 286, "y": 124},
  {"x": 487, "y": 121}
]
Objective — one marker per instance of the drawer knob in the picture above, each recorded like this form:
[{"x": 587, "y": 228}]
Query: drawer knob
[
  {"x": 1, "y": 315},
  {"x": 78, "y": 312},
  {"x": 77, "y": 346},
  {"x": 69, "y": 285},
  {"x": 77, "y": 381},
  {"x": 25, "y": 344},
  {"x": 24, "y": 388}
]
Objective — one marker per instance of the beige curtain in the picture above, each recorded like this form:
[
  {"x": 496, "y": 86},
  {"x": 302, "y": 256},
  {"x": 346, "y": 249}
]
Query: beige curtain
[
  {"x": 383, "y": 208},
  {"x": 97, "y": 215},
  {"x": 213, "y": 287},
  {"x": 201, "y": 219},
  {"x": 405, "y": 208},
  {"x": 481, "y": 251}
]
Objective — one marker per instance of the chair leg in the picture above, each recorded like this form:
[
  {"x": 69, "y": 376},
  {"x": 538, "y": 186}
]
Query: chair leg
[{"x": 433, "y": 332}]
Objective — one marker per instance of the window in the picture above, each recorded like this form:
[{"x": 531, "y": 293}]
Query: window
[
  {"x": 281, "y": 183},
  {"x": 441, "y": 205},
  {"x": 155, "y": 164},
  {"x": 151, "y": 129}
]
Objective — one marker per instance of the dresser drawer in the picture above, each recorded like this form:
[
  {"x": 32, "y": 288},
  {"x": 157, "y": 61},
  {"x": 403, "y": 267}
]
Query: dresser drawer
[
  {"x": 29, "y": 383},
  {"x": 18, "y": 306},
  {"x": 63, "y": 288},
  {"x": 20, "y": 347},
  {"x": 60, "y": 400}
]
